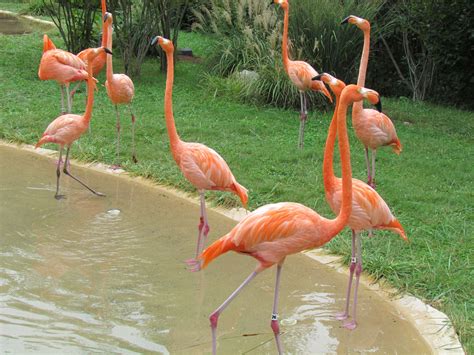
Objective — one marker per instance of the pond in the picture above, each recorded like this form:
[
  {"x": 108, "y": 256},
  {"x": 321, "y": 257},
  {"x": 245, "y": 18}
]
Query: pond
[
  {"x": 93, "y": 274},
  {"x": 13, "y": 24}
]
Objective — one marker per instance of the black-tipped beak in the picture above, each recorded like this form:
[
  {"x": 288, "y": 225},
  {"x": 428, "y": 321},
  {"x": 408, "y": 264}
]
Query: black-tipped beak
[
  {"x": 318, "y": 77},
  {"x": 154, "y": 40},
  {"x": 106, "y": 15},
  {"x": 378, "y": 106},
  {"x": 346, "y": 20},
  {"x": 108, "y": 51}
]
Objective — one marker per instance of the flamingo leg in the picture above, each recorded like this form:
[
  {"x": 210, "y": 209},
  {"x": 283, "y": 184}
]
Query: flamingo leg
[
  {"x": 352, "y": 324},
  {"x": 367, "y": 162},
  {"x": 274, "y": 323},
  {"x": 214, "y": 317},
  {"x": 57, "y": 196},
  {"x": 62, "y": 100},
  {"x": 66, "y": 171},
  {"x": 373, "y": 167},
  {"x": 75, "y": 88},
  {"x": 303, "y": 115},
  {"x": 134, "y": 155},
  {"x": 117, "y": 125},
  {"x": 352, "y": 267},
  {"x": 68, "y": 98},
  {"x": 203, "y": 231}
]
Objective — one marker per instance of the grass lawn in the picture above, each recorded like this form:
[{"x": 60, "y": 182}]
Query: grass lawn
[{"x": 429, "y": 186}]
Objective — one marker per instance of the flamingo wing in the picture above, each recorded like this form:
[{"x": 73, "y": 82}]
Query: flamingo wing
[
  {"x": 205, "y": 168},
  {"x": 68, "y": 59},
  {"x": 300, "y": 74}
]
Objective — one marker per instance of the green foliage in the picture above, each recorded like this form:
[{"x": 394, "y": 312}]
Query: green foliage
[{"x": 249, "y": 33}]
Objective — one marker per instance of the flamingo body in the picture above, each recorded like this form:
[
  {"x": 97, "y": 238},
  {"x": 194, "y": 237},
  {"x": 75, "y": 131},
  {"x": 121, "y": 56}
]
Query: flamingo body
[
  {"x": 120, "y": 89},
  {"x": 64, "y": 130},
  {"x": 374, "y": 129},
  {"x": 61, "y": 66}
]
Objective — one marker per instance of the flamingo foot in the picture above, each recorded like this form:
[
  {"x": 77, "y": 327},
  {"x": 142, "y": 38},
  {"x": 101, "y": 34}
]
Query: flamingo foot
[
  {"x": 194, "y": 265},
  {"x": 59, "y": 197},
  {"x": 341, "y": 316},
  {"x": 99, "y": 194},
  {"x": 134, "y": 158},
  {"x": 351, "y": 325},
  {"x": 116, "y": 167}
]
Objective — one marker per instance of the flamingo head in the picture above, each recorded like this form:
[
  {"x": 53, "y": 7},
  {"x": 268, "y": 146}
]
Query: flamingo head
[
  {"x": 363, "y": 24},
  {"x": 91, "y": 55},
  {"x": 353, "y": 93},
  {"x": 108, "y": 18},
  {"x": 164, "y": 43},
  {"x": 372, "y": 96},
  {"x": 335, "y": 84},
  {"x": 283, "y": 3}
]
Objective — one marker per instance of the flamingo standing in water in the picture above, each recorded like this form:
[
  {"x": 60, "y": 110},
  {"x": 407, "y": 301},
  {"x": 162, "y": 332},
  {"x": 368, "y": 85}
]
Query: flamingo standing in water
[
  {"x": 201, "y": 166},
  {"x": 300, "y": 73},
  {"x": 120, "y": 89},
  {"x": 65, "y": 129},
  {"x": 99, "y": 62},
  {"x": 274, "y": 231},
  {"x": 369, "y": 210},
  {"x": 61, "y": 66},
  {"x": 374, "y": 129}
]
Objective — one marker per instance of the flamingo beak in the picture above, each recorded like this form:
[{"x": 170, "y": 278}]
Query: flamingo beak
[
  {"x": 106, "y": 16},
  {"x": 378, "y": 105},
  {"x": 154, "y": 40},
  {"x": 318, "y": 77},
  {"x": 108, "y": 51},
  {"x": 346, "y": 20}
]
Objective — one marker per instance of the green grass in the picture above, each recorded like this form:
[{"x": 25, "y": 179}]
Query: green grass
[{"x": 429, "y": 186}]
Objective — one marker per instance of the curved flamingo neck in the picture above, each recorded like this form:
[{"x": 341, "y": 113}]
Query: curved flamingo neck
[
  {"x": 328, "y": 168},
  {"x": 90, "y": 96},
  {"x": 170, "y": 125},
  {"x": 284, "y": 41},
  {"x": 346, "y": 208},
  {"x": 110, "y": 68},
  {"x": 364, "y": 61}
]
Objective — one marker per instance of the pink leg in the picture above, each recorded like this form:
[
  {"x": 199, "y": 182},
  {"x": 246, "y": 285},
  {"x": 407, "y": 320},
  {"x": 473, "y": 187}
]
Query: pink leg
[
  {"x": 373, "y": 168},
  {"x": 303, "y": 116},
  {"x": 367, "y": 162},
  {"x": 203, "y": 230},
  {"x": 117, "y": 125},
  {"x": 352, "y": 324},
  {"x": 134, "y": 154},
  {"x": 57, "y": 196},
  {"x": 352, "y": 267},
  {"x": 214, "y": 317},
  {"x": 63, "y": 110},
  {"x": 274, "y": 323}
]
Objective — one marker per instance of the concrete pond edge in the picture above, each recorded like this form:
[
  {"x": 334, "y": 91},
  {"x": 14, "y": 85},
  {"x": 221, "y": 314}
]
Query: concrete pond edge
[
  {"x": 46, "y": 25},
  {"x": 433, "y": 325}
]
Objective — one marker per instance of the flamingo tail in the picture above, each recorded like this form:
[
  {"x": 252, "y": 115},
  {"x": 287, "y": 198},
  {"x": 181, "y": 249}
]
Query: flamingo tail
[
  {"x": 242, "y": 193},
  {"x": 45, "y": 139},
  {"x": 396, "y": 227},
  {"x": 219, "y": 247},
  {"x": 396, "y": 146}
]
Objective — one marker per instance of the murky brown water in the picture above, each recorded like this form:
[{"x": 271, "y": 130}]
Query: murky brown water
[
  {"x": 12, "y": 24},
  {"x": 91, "y": 274}
]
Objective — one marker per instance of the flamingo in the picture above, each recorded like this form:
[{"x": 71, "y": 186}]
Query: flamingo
[
  {"x": 99, "y": 62},
  {"x": 369, "y": 210},
  {"x": 373, "y": 129},
  {"x": 300, "y": 73},
  {"x": 274, "y": 231},
  {"x": 120, "y": 89},
  {"x": 65, "y": 129},
  {"x": 201, "y": 166},
  {"x": 61, "y": 66}
]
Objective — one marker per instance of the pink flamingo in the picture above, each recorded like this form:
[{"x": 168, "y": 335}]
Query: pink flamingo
[
  {"x": 369, "y": 210},
  {"x": 120, "y": 89},
  {"x": 67, "y": 128},
  {"x": 201, "y": 166},
  {"x": 99, "y": 62},
  {"x": 300, "y": 73},
  {"x": 374, "y": 129},
  {"x": 61, "y": 66},
  {"x": 274, "y": 231}
]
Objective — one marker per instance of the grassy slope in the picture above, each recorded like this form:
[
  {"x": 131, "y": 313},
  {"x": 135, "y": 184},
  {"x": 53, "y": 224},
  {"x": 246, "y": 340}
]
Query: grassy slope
[{"x": 429, "y": 187}]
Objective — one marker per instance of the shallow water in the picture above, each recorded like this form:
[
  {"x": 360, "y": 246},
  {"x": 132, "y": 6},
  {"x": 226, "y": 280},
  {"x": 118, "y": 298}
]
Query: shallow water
[
  {"x": 92, "y": 274},
  {"x": 12, "y": 24}
]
